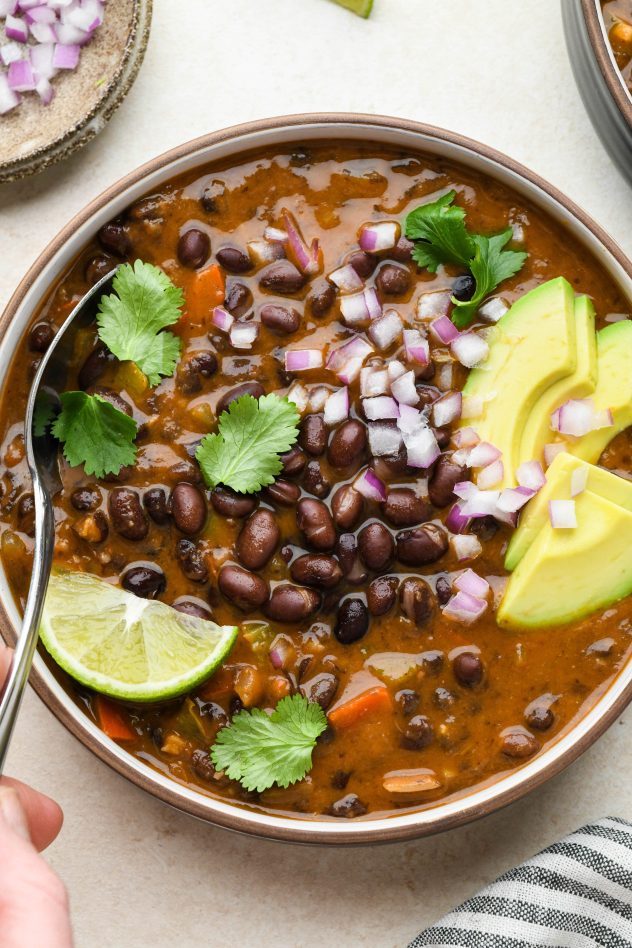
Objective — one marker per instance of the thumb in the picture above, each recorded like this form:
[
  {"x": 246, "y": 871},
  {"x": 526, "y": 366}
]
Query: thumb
[{"x": 33, "y": 901}]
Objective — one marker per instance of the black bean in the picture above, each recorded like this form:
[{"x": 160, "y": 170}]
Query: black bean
[
  {"x": 381, "y": 594},
  {"x": 518, "y": 743},
  {"x": 26, "y": 514},
  {"x": 467, "y": 668},
  {"x": 347, "y": 444},
  {"x": 188, "y": 508},
  {"x": 41, "y": 336},
  {"x": 349, "y": 559},
  {"x": 258, "y": 539},
  {"x": 212, "y": 195},
  {"x": 376, "y": 546},
  {"x": 86, "y": 498},
  {"x": 321, "y": 689},
  {"x": 363, "y": 263},
  {"x": 192, "y": 607},
  {"x": 442, "y": 436},
  {"x": 282, "y": 320},
  {"x": 441, "y": 485},
  {"x": 283, "y": 493},
  {"x": 463, "y": 288},
  {"x": 98, "y": 267},
  {"x": 419, "y": 733},
  {"x": 289, "y": 603},
  {"x": 538, "y": 715},
  {"x": 116, "y": 400},
  {"x": 314, "y": 481},
  {"x": 245, "y": 589},
  {"x": 234, "y": 259},
  {"x": 348, "y": 807},
  {"x": 313, "y": 435},
  {"x": 246, "y": 388},
  {"x": 192, "y": 561},
  {"x": 321, "y": 298},
  {"x": 422, "y": 545},
  {"x": 393, "y": 280},
  {"x": 444, "y": 698},
  {"x": 238, "y": 299},
  {"x": 405, "y": 508},
  {"x": 484, "y": 528},
  {"x": 293, "y": 461},
  {"x": 126, "y": 513},
  {"x": 114, "y": 238},
  {"x": 391, "y": 465},
  {"x": 194, "y": 247},
  {"x": 416, "y": 600},
  {"x": 94, "y": 366},
  {"x": 147, "y": 209},
  {"x": 229, "y": 503},
  {"x": 402, "y": 251},
  {"x": 147, "y": 582},
  {"x": 347, "y": 506},
  {"x": 282, "y": 277},
  {"x": 155, "y": 503},
  {"x": 314, "y": 521},
  {"x": 316, "y": 569},
  {"x": 352, "y": 621},
  {"x": 443, "y": 590},
  {"x": 192, "y": 370},
  {"x": 407, "y": 701},
  {"x": 204, "y": 767}
]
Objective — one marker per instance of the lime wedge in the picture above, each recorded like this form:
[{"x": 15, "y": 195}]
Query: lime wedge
[
  {"x": 125, "y": 647},
  {"x": 361, "y": 7}
]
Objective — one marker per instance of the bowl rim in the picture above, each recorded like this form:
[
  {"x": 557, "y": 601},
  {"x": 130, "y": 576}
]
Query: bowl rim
[
  {"x": 598, "y": 38},
  {"x": 478, "y": 801}
]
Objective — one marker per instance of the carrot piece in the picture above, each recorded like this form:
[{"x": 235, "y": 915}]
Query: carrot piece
[
  {"x": 368, "y": 702},
  {"x": 207, "y": 290},
  {"x": 112, "y": 720}
]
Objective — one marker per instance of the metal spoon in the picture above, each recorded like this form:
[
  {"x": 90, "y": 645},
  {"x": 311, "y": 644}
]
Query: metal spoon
[{"x": 42, "y": 454}]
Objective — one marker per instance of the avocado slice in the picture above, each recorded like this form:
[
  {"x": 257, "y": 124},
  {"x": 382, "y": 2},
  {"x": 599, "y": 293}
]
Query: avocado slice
[
  {"x": 613, "y": 390},
  {"x": 568, "y": 574},
  {"x": 558, "y": 487},
  {"x": 531, "y": 348},
  {"x": 581, "y": 384}
]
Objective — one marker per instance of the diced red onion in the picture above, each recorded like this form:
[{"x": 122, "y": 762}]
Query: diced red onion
[
  {"x": 21, "y": 77},
  {"x": 465, "y": 437},
  {"x": 44, "y": 90},
  {"x": 71, "y": 35},
  {"x": 422, "y": 449},
  {"x": 282, "y": 652},
  {"x": 244, "y": 335},
  {"x": 8, "y": 8},
  {"x": 462, "y": 457},
  {"x": 579, "y": 479},
  {"x": 275, "y": 234},
  {"x": 491, "y": 475},
  {"x": 318, "y": 396},
  {"x": 346, "y": 279},
  {"x": 481, "y": 504},
  {"x": 298, "y": 394},
  {"x": 483, "y": 454},
  {"x": 464, "y": 608},
  {"x": 409, "y": 418},
  {"x": 86, "y": 17},
  {"x": 16, "y": 29},
  {"x": 431, "y": 305},
  {"x": 456, "y": 521},
  {"x": 551, "y": 451},
  {"x": 66, "y": 57},
  {"x": 41, "y": 14},
  {"x": 395, "y": 368},
  {"x": 470, "y": 349},
  {"x": 221, "y": 318},
  {"x": 466, "y": 546},
  {"x": 28, "y": 4},
  {"x": 337, "y": 407},
  {"x": 380, "y": 236},
  {"x": 307, "y": 259},
  {"x": 444, "y": 330},
  {"x": 386, "y": 329},
  {"x": 446, "y": 409},
  {"x": 470, "y": 582},
  {"x": 10, "y": 53},
  {"x": 506, "y": 517},
  {"x": 562, "y": 514},
  {"x": 370, "y": 486},
  {"x": 530, "y": 474},
  {"x": 578, "y": 417},
  {"x": 8, "y": 98},
  {"x": 380, "y": 408},
  {"x": 384, "y": 439},
  {"x": 41, "y": 57},
  {"x": 493, "y": 309},
  {"x": 298, "y": 360},
  {"x": 346, "y": 360},
  {"x": 264, "y": 251},
  {"x": 417, "y": 348},
  {"x": 403, "y": 389},
  {"x": 354, "y": 309},
  {"x": 514, "y": 498},
  {"x": 43, "y": 33},
  {"x": 465, "y": 489},
  {"x": 373, "y": 381},
  {"x": 372, "y": 300}
]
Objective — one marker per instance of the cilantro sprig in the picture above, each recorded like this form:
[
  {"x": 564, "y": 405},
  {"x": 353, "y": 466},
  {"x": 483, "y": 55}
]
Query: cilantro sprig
[
  {"x": 442, "y": 237},
  {"x": 244, "y": 454},
  {"x": 132, "y": 320},
  {"x": 95, "y": 433},
  {"x": 260, "y": 750}
]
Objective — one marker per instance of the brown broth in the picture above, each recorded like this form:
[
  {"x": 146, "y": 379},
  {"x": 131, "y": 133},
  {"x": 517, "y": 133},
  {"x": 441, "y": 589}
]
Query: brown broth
[{"x": 618, "y": 19}]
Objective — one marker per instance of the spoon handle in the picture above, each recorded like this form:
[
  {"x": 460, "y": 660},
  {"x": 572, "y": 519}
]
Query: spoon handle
[{"x": 13, "y": 689}]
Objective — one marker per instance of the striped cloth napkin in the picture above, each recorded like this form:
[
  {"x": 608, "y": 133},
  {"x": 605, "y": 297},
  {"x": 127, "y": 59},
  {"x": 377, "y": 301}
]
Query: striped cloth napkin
[{"x": 577, "y": 893}]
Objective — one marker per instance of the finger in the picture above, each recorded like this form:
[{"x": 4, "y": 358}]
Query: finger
[
  {"x": 33, "y": 901},
  {"x": 44, "y": 816}
]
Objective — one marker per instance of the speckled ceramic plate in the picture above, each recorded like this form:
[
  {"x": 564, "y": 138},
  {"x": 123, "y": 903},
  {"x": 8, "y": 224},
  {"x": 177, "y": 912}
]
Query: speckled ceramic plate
[
  {"x": 34, "y": 136},
  {"x": 605, "y": 94}
]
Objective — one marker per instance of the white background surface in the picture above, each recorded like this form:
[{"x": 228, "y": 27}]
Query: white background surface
[{"x": 497, "y": 70}]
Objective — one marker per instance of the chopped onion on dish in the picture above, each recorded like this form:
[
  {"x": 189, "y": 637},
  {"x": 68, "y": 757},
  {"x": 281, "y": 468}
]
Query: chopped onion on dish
[
  {"x": 562, "y": 514},
  {"x": 578, "y": 417},
  {"x": 483, "y": 454},
  {"x": 493, "y": 309},
  {"x": 464, "y": 608},
  {"x": 444, "y": 330},
  {"x": 370, "y": 486},
  {"x": 221, "y": 318},
  {"x": 530, "y": 474},
  {"x": 579, "y": 479},
  {"x": 470, "y": 582},
  {"x": 404, "y": 390},
  {"x": 337, "y": 407},
  {"x": 380, "y": 407},
  {"x": 298, "y": 360},
  {"x": 432, "y": 305},
  {"x": 244, "y": 335},
  {"x": 470, "y": 349},
  {"x": 380, "y": 236},
  {"x": 491, "y": 475},
  {"x": 466, "y": 546},
  {"x": 447, "y": 409},
  {"x": 298, "y": 394},
  {"x": 346, "y": 279},
  {"x": 373, "y": 381},
  {"x": 386, "y": 329},
  {"x": 384, "y": 439},
  {"x": 552, "y": 450},
  {"x": 417, "y": 348}
]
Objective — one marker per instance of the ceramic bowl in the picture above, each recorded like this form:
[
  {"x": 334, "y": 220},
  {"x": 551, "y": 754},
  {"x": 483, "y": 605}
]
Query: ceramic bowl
[{"x": 232, "y": 143}]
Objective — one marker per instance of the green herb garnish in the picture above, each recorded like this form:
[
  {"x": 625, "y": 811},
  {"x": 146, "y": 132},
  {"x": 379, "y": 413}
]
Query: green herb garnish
[
  {"x": 132, "y": 320},
  {"x": 442, "y": 237},
  {"x": 244, "y": 454},
  {"x": 260, "y": 750},
  {"x": 95, "y": 433}
]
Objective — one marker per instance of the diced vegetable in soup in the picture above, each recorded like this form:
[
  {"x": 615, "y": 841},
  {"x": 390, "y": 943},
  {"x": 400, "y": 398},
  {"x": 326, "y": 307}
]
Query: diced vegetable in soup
[
  {"x": 618, "y": 19},
  {"x": 350, "y": 441}
]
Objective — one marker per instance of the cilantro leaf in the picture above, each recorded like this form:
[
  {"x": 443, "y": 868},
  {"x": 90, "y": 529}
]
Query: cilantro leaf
[
  {"x": 95, "y": 433},
  {"x": 260, "y": 750},
  {"x": 490, "y": 265},
  {"x": 130, "y": 321},
  {"x": 440, "y": 226},
  {"x": 245, "y": 453}
]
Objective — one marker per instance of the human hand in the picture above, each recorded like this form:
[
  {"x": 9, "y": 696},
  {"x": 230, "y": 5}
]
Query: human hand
[{"x": 33, "y": 901}]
